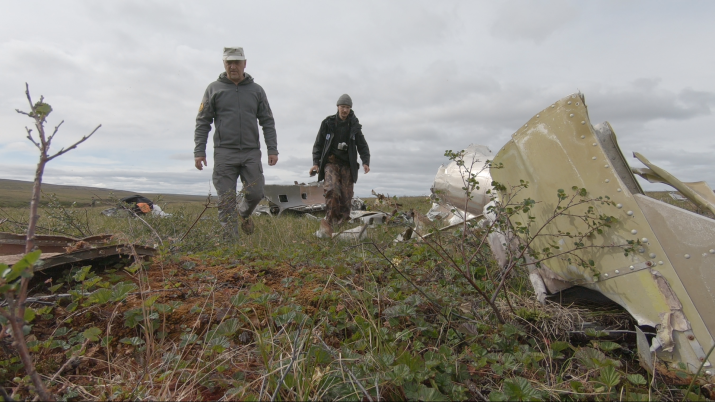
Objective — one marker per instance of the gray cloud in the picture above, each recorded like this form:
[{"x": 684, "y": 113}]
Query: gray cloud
[
  {"x": 531, "y": 20},
  {"x": 423, "y": 77},
  {"x": 644, "y": 100}
]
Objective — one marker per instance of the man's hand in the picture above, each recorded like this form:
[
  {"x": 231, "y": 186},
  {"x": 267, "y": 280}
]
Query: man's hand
[
  {"x": 198, "y": 161},
  {"x": 314, "y": 170},
  {"x": 272, "y": 160},
  {"x": 366, "y": 168}
]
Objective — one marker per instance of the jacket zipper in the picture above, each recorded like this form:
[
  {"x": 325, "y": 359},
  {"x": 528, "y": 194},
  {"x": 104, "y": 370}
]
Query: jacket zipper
[{"x": 240, "y": 122}]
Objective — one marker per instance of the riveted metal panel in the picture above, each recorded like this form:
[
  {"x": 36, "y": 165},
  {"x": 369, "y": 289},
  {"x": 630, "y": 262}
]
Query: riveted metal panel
[
  {"x": 557, "y": 149},
  {"x": 688, "y": 240}
]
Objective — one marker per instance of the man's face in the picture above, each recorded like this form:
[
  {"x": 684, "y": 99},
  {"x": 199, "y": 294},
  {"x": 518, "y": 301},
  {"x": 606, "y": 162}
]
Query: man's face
[
  {"x": 343, "y": 111},
  {"x": 234, "y": 69}
]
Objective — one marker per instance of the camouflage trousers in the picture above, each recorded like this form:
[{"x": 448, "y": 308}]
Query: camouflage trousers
[
  {"x": 229, "y": 166},
  {"x": 338, "y": 192}
]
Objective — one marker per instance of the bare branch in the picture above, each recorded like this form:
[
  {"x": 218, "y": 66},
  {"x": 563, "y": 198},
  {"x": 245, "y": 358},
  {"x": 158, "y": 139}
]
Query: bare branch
[
  {"x": 29, "y": 137},
  {"x": 21, "y": 112},
  {"x": 73, "y": 146},
  {"x": 29, "y": 99},
  {"x": 57, "y": 128}
]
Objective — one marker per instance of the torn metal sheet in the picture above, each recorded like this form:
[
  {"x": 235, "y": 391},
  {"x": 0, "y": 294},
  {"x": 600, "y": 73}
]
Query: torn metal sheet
[
  {"x": 644, "y": 353},
  {"x": 371, "y": 218},
  {"x": 668, "y": 282},
  {"x": 439, "y": 212},
  {"x": 86, "y": 256},
  {"x": 298, "y": 197},
  {"x": 449, "y": 182},
  {"x": 311, "y": 216},
  {"x": 356, "y": 233},
  {"x": 654, "y": 174},
  {"x": 409, "y": 233},
  {"x": 676, "y": 196},
  {"x": 262, "y": 210},
  {"x": 14, "y": 243}
]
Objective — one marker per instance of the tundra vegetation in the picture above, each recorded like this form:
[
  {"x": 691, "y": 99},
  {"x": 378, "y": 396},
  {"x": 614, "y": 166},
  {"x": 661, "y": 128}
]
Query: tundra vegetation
[{"x": 282, "y": 315}]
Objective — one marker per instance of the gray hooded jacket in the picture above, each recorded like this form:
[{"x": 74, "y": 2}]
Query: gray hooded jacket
[{"x": 235, "y": 111}]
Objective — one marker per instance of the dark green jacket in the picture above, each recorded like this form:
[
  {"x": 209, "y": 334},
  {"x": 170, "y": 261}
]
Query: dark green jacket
[
  {"x": 356, "y": 144},
  {"x": 235, "y": 111}
]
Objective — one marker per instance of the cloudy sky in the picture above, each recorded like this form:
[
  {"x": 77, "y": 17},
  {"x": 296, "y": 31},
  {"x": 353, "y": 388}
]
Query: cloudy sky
[{"x": 425, "y": 76}]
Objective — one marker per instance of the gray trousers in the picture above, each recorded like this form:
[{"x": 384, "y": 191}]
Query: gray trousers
[{"x": 229, "y": 165}]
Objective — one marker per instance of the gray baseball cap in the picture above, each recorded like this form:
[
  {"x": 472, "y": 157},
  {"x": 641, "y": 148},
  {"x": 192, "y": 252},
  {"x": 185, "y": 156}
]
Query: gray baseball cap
[{"x": 233, "y": 53}]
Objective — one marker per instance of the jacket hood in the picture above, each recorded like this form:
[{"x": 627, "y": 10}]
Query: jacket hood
[{"x": 223, "y": 77}]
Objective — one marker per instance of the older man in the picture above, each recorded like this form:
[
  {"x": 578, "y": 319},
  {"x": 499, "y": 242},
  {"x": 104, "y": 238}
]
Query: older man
[
  {"x": 335, "y": 151},
  {"x": 234, "y": 103}
]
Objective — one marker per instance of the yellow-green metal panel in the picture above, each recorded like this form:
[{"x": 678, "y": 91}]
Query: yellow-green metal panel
[{"x": 557, "y": 149}]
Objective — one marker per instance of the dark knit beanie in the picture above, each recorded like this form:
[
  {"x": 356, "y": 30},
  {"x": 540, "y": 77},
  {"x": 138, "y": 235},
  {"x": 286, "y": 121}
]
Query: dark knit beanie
[{"x": 344, "y": 99}]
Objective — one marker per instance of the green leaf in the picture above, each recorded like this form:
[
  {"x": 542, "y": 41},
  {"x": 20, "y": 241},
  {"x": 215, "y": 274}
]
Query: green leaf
[
  {"x": 219, "y": 344},
  {"x": 163, "y": 308},
  {"x": 430, "y": 394},
  {"x": 400, "y": 310},
  {"x": 401, "y": 373},
  {"x": 228, "y": 327},
  {"x": 609, "y": 377},
  {"x": 80, "y": 275},
  {"x": 595, "y": 334},
  {"x": 106, "y": 340},
  {"x": 133, "y": 317},
  {"x": 187, "y": 339},
  {"x": 320, "y": 355},
  {"x": 61, "y": 331},
  {"x": 92, "y": 334},
  {"x": 558, "y": 346},
  {"x": 121, "y": 290},
  {"x": 519, "y": 389},
  {"x": 72, "y": 306},
  {"x": 511, "y": 330},
  {"x": 239, "y": 300},
  {"x": 29, "y": 314},
  {"x": 54, "y": 288},
  {"x": 257, "y": 290},
  {"x": 150, "y": 301},
  {"x": 132, "y": 341},
  {"x": 42, "y": 109},
  {"x": 27, "y": 261},
  {"x": 636, "y": 379},
  {"x": 608, "y": 346},
  {"x": 100, "y": 296},
  {"x": 590, "y": 357}
]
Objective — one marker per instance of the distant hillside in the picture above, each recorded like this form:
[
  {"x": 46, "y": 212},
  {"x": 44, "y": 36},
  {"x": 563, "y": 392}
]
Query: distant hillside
[{"x": 16, "y": 193}]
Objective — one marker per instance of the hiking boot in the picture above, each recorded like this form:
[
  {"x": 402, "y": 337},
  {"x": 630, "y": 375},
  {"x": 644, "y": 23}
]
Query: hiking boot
[
  {"x": 325, "y": 231},
  {"x": 247, "y": 225}
]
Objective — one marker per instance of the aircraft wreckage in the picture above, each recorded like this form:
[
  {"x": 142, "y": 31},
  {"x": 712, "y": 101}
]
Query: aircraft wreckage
[{"x": 667, "y": 282}]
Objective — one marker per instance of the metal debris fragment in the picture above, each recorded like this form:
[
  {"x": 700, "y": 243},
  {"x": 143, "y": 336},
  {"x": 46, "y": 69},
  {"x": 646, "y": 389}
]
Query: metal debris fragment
[
  {"x": 61, "y": 251},
  {"x": 666, "y": 284}
]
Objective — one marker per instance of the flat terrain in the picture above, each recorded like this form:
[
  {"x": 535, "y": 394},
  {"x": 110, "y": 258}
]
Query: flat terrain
[
  {"x": 283, "y": 315},
  {"x": 16, "y": 193}
]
